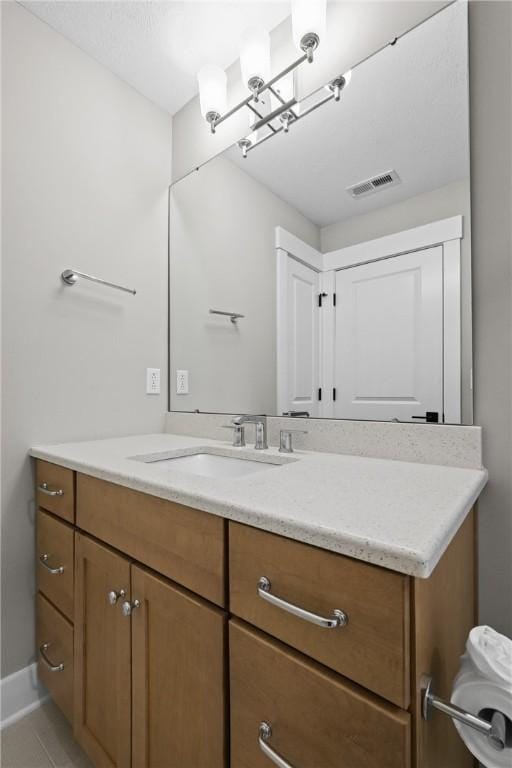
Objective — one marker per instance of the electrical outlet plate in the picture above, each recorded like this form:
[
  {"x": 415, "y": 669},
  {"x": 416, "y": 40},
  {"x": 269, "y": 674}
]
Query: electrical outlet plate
[
  {"x": 152, "y": 381},
  {"x": 182, "y": 382}
]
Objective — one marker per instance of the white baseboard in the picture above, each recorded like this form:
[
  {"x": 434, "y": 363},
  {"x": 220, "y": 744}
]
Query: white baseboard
[{"x": 20, "y": 693}]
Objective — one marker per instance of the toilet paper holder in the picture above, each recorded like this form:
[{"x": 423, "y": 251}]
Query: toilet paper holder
[{"x": 495, "y": 729}]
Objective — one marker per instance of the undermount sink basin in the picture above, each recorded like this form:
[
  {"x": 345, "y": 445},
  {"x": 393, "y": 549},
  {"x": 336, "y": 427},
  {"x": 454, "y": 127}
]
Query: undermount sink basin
[{"x": 210, "y": 465}]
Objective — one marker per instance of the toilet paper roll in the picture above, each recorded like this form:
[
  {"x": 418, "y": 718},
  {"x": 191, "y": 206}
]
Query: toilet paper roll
[{"x": 474, "y": 693}]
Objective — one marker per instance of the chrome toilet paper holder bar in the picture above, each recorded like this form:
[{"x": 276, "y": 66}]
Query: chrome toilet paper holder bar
[{"x": 494, "y": 730}]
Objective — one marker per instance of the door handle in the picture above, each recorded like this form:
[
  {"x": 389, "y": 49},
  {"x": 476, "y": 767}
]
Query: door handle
[{"x": 431, "y": 417}]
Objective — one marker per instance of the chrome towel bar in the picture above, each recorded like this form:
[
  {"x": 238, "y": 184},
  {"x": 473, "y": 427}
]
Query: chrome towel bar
[
  {"x": 233, "y": 316},
  {"x": 70, "y": 277},
  {"x": 494, "y": 730}
]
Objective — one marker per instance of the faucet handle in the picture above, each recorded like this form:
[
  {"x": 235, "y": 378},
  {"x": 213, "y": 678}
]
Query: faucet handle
[
  {"x": 285, "y": 439},
  {"x": 238, "y": 434}
]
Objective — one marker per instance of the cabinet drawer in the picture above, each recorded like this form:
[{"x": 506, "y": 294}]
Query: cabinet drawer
[
  {"x": 55, "y": 645},
  {"x": 55, "y": 490},
  {"x": 372, "y": 648},
  {"x": 317, "y": 719},
  {"x": 179, "y": 542},
  {"x": 55, "y": 560}
]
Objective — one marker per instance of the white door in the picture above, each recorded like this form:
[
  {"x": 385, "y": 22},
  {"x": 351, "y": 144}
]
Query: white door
[
  {"x": 389, "y": 338},
  {"x": 298, "y": 339}
]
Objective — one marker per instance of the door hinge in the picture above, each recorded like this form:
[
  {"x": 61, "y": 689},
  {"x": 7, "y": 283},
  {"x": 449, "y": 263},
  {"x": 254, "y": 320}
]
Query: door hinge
[
  {"x": 334, "y": 299},
  {"x": 321, "y": 296},
  {"x": 334, "y": 393},
  {"x": 319, "y": 393}
]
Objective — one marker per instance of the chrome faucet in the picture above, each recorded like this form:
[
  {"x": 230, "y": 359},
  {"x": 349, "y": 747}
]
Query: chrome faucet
[{"x": 260, "y": 423}]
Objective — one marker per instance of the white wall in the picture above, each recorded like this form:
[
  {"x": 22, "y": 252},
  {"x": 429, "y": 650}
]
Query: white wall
[
  {"x": 86, "y": 164},
  {"x": 223, "y": 257}
]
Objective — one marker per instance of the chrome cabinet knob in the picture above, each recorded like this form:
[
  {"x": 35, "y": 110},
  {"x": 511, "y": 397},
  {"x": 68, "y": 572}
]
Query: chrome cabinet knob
[
  {"x": 128, "y": 607},
  {"x": 114, "y": 596}
]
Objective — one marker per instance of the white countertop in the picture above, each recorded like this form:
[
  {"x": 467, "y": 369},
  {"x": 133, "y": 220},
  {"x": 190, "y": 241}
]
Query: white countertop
[{"x": 396, "y": 514}]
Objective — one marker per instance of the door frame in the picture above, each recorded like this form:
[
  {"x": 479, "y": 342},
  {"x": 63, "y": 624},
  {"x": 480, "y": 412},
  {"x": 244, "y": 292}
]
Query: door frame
[{"x": 447, "y": 233}]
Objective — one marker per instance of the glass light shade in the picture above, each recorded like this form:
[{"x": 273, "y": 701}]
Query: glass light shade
[
  {"x": 308, "y": 17},
  {"x": 212, "y": 89},
  {"x": 255, "y": 54}
]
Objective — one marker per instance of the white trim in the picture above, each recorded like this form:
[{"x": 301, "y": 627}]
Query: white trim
[
  {"x": 327, "y": 344},
  {"x": 452, "y": 329},
  {"x": 281, "y": 326},
  {"x": 426, "y": 236},
  {"x": 20, "y": 694},
  {"x": 298, "y": 249}
]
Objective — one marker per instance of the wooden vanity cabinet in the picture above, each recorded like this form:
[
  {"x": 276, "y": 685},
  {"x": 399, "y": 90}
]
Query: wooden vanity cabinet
[{"x": 141, "y": 653}]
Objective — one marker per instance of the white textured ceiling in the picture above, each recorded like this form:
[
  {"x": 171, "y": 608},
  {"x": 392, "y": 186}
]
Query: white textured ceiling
[
  {"x": 158, "y": 47},
  {"x": 406, "y": 109}
]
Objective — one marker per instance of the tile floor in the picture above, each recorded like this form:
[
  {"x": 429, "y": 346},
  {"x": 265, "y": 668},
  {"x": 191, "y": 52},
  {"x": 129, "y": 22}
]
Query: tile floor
[{"x": 42, "y": 739}]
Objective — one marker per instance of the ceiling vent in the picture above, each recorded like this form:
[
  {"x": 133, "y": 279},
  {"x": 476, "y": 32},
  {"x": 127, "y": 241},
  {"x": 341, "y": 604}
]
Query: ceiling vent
[{"x": 369, "y": 186}]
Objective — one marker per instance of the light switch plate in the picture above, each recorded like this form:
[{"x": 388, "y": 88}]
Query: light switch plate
[
  {"x": 152, "y": 381},
  {"x": 182, "y": 382}
]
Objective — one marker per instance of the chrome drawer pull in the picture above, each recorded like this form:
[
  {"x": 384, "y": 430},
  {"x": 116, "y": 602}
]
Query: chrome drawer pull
[
  {"x": 338, "y": 618},
  {"x": 265, "y": 734},
  {"x": 44, "y": 562},
  {"x": 52, "y": 667},
  {"x": 43, "y": 487}
]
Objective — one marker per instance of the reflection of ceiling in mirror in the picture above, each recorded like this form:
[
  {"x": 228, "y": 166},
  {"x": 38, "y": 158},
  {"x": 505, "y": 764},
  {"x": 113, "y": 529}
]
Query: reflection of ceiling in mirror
[{"x": 405, "y": 109}]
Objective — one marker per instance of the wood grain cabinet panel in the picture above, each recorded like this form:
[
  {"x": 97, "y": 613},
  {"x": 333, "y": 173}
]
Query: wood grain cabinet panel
[
  {"x": 55, "y": 561},
  {"x": 179, "y": 672},
  {"x": 318, "y": 719},
  {"x": 184, "y": 544},
  {"x": 102, "y": 655},
  {"x": 55, "y": 664},
  {"x": 55, "y": 489},
  {"x": 372, "y": 649}
]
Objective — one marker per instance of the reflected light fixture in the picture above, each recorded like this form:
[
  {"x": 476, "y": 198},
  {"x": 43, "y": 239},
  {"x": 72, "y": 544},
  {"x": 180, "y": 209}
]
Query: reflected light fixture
[
  {"x": 255, "y": 58},
  {"x": 308, "y": 24},
  {"x": 279, "y": 109},
  {"x": 212, "y": 92}
]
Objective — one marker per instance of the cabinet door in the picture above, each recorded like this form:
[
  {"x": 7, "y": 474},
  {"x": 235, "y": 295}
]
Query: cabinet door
[
  {"x": 102, "y": 655},
  {"x": 178, "y": 677}
]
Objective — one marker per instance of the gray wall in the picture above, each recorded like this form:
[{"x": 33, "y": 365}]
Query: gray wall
[
  {"x": 490, "y": 46},
  {"x": 451, "y": 200},
  {"x": 223, "y": 256},
  {"x": 86, "y": 164}
]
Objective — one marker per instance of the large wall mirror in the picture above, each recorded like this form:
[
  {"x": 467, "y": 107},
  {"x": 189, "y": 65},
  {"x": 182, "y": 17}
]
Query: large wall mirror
[{"x": 328, "y": 272}]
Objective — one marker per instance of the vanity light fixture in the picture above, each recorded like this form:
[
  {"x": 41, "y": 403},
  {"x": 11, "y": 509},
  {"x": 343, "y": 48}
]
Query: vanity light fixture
[{"x": 308, "y": 26}]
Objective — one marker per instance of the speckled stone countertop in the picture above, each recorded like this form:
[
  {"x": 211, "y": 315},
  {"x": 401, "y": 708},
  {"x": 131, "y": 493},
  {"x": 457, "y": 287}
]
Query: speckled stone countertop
[{"x": 396, "y": 514}]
